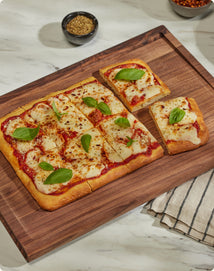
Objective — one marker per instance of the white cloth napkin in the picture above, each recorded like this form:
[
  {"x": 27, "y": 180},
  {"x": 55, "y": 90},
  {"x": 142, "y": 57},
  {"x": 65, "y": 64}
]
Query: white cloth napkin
[{"x": 188, "y": 208}]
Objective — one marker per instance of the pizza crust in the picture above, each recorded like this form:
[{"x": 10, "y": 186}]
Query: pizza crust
[
  {"x": 142, "y": 159},
  {"x": 5, "y": 147},
  {"x": 165, "y": 90},
  {"x": 53, "y": 202},
  {"x": 110, "y": 176},
  {"x": 175, "y": 147}
]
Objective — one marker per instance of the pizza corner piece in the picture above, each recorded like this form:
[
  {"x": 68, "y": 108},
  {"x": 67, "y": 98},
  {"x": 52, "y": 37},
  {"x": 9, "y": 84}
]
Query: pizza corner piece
[
  {"x": 135, "y": 83},
  {"x": 180, "y": 123}
]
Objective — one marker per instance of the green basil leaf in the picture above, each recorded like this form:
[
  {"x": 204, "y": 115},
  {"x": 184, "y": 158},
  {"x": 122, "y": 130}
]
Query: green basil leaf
[
  {"x": 176, "y": 115},
  {"x": 90, "y": 102},
  {"x": 129, "y": 74},
  {"x": 46, "y": 166},
  {"x": 129, "y": 143},
  {"x": 60, "y": 175},
  {"x": 104, "y": 108},
  {"x": 25, "y": 133},
  {"x": 57, "y": 113},
  {"x": 85, "y": 141},
  {"x": 122, "y": 122}
]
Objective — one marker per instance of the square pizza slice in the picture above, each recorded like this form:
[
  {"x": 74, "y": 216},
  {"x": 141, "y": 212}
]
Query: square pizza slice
[
  {"x": 135, "y": 83},
  {"x": 94, "y": 159},
  {"x": 131, "y": 140},
  {"x": 180, "y": 124},
  {"x": 95, "y": 101}
]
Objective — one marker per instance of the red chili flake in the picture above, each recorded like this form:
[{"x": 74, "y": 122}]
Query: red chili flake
[{"x": 192, "y": 3}]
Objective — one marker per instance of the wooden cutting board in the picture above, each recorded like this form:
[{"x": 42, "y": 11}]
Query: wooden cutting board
[{"x": 36, "y": 231}]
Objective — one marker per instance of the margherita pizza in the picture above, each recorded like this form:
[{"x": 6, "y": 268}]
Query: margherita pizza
[
  {"x": 69, "y": 143},
  {"x": 180, "y": 123},
  {"x": 135, "y": 83}
]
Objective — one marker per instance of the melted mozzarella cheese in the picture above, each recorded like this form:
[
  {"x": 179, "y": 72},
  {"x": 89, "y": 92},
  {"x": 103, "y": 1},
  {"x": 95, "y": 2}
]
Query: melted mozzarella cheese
[
  {"x": 88, "y": 168},
  {"x": 47, "y": 188},
  {"x": 56, "y": 161},
  {"x": 13, "y": 124},
  {"x": 111, "y": 153},
  {"x": 183, "y": 130},
  {"x": 93, "y": 89},
  {"x": 75, "y": 150},
  {"x": 41, "y": 113},
  {"x": 117, "y": 136},
  {"x": 73, "y": 119},
  {"x": 48, "y": 143},
  {"x": 32, "y": 159},
  {"x": 114, "y": 104},
  {"x": 145, "y": 86},
  {"x": 25, "y": 146},
  {"x": 152, "y": 91}
]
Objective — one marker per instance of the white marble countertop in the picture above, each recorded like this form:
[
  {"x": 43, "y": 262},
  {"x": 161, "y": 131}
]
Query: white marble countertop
[{"x": 32, "y": 46}]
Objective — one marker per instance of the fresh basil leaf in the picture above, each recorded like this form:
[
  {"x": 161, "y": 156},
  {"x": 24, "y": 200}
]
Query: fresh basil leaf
[
  {"x": 122, "y": 122},
  {"x": 90, "y": 102},
  {"x": 25, "y": 133},
  {"x": 60, "y": 175},
  {"x": 176, "y": 115},
  {"x": 46, "y": 166},
  {"x": 57, "y": 113},
  {"x": 129, "y": 74},
  {"x": 104, "y": 108},
  {"x": 129, "y": 143},
  {"x": 85, "y": 141}
]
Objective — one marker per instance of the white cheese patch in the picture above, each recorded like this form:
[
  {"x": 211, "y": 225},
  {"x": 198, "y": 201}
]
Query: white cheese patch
[
  {"x": 183, "y": 130},
  {"x": 47, "y": 188},
  {"x": 88, "y": 168},
  {"x": 13, "y": 124},
  {"x": 145, "y": 86},
  {"x": 111, "y": 153},
  {"x": 56, "y": 161},
  {"x": 32, "y": 159},
  {"x": 93, "y": 89},
  {"x": 56, "y": 137},
  {"x": 40, "y": 113},
  {"x": 73, "y": 120},
  {"x": 114, "y": 104},
  {"x": 48, "y": 143},
  {"x": 24, "y": 146}
]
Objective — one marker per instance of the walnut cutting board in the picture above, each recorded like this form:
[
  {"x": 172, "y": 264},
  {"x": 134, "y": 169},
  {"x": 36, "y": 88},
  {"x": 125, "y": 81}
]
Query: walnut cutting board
[{"x": 36, "y": 231}]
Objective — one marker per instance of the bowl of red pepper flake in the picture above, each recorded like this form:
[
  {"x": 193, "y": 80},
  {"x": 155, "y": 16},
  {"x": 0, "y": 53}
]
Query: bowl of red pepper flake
[
  {"x": 79, "y": 27},
  {"x": 190, "y": 8}
]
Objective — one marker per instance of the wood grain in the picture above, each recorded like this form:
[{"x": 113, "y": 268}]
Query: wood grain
[{"x": 36, "y": 231}]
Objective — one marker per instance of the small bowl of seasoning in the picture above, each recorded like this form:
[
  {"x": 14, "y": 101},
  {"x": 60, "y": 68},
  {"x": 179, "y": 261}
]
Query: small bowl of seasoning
[
  {"x": 79, "y": 27},
  {"x": 190, "y": 8}
]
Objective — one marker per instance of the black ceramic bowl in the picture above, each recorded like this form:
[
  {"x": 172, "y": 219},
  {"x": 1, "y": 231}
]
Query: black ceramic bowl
[
  {"x": 79, "y": 39},
  {"x": 188, "y": 11}
]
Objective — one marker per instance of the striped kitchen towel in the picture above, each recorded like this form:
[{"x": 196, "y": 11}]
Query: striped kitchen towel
[{"x": 188, "y": 208}]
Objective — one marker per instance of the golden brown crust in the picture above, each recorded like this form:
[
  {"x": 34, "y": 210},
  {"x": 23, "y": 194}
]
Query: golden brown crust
[
  {"x": 142, "y": 159},
  {"x": 79, "y": 84},
  {"x": 53, "y": 202},
  {"x": 110, "y": 176},
  {"x": 5, "y": 147},
  {"x": 165, "y": 90},
  {"x": 174, "y": 147}
]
